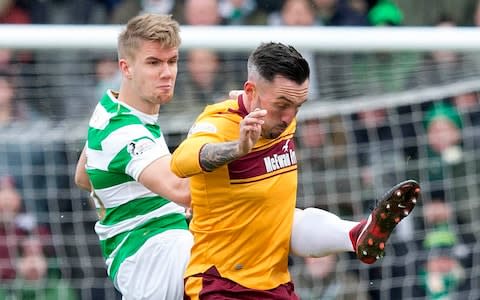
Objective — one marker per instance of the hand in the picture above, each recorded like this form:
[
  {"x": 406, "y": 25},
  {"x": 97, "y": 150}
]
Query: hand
[{"x": 250, "y": 130}]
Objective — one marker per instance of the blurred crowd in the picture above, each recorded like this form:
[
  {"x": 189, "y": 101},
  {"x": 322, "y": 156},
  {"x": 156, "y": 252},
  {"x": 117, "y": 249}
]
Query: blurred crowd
[
  {"x": 58, "y": 85},
  {"x": 47, "y": 244}
]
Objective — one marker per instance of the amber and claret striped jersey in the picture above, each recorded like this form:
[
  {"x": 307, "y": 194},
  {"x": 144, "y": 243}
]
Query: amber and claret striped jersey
[
  {"x": 243, "y": 211},
  {"x": 121, "y": 142}
]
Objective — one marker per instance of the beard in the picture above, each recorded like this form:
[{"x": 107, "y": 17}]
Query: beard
[{"x": 274, "y": 132}]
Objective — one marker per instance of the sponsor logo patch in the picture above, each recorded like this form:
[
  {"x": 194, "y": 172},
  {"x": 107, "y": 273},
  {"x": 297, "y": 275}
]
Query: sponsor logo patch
[
  {"x": 138, "y": 147},
  {"x": 281, "y": 160}
]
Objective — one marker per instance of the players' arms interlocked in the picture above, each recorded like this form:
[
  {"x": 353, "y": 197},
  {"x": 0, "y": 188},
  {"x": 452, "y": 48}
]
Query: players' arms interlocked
[
  {"x": 216, "y": 155},
  {"x": 158, "y": 178}
]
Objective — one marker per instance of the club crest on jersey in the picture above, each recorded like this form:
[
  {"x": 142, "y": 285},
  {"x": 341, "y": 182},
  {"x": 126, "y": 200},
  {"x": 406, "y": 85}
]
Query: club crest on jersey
[
  {"x": 138, "y": 147},
  {"x": 285, "y": 158}
]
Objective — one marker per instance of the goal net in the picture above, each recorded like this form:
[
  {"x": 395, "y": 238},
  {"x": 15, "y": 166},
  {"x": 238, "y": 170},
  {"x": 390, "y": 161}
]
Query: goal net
[{"x": 384, "y": 106}]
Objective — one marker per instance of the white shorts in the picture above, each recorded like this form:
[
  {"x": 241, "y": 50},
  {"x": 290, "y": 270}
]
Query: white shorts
[{"x": 156, "y": 270}]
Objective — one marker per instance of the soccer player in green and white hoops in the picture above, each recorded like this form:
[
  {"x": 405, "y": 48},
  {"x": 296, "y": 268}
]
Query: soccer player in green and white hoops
[{"x": 142, "y": 226}]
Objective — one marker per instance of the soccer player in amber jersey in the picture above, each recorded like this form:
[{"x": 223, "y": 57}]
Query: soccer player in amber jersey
[{"x": 240, "y": 156}]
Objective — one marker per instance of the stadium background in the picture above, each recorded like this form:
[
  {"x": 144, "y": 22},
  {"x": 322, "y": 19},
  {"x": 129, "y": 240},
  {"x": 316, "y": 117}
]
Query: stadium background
[{"x": 369, "y": 125}]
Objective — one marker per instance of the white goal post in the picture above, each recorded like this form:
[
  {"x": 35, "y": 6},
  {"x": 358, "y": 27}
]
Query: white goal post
[
  {"x": 248, "y": 37},
  {"x": 364, "y": 128}
]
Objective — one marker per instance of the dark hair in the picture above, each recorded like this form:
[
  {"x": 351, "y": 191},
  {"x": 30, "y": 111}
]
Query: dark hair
[{"x": 272, "y": 59}]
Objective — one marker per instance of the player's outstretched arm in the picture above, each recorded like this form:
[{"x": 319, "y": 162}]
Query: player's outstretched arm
[
  {"x": 81, "y": 177},
  {"x": 158, "y": 178}
]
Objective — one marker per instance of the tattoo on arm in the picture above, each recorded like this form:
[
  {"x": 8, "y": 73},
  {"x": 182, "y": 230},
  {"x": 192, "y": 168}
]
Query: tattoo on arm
[{"x": 213, "y": 156}]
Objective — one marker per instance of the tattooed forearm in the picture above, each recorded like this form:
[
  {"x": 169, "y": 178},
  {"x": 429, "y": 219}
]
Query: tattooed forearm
[{"x": 213, "y": 156}]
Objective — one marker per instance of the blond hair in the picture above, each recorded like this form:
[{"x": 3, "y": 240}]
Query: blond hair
[{"x": 148, "y": 27}]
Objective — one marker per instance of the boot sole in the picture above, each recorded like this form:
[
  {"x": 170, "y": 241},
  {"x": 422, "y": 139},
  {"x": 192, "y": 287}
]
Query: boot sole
[{"x": 395, "y": 205}]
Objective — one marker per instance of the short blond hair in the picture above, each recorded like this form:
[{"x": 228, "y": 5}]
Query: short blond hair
[{"x": 148, "y": 27}]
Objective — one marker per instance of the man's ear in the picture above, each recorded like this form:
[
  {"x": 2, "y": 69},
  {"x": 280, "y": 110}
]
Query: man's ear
[
  {"x": 250, "y": 89},
  {"x": 125, "y": 68}
]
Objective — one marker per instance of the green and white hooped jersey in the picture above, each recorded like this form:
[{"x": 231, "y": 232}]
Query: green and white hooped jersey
[{"x": 121, "y": 142}]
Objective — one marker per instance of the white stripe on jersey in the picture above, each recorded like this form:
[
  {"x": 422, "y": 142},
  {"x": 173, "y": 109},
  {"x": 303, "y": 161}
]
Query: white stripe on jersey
[
  {"x": 122, "y": 193},
  {"x": 107, "y": 231},
  {"x": 114, "y": 143},
  {"x": 121, "y": 137},
  {"x": 100, "y": 117}
]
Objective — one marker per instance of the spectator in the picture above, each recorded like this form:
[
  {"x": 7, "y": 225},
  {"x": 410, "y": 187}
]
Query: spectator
[
  {"x": 11, "y": 109},
  {"x": 120, "y": 11},
  {"x": 300, "y": 13},
  {"x": 323, "y": 149},
  {"x": 12, "y": 13},
  {"x": 445, "y": 271},
  {"x": 383, "y": 72},
  {"x": 107, "y": 75},
  {"x": 295, "y": 13},
  {"x": 202, "y": 12},
  {"x": 23, "y": 159},
  {"x": 37, "y": 10},
  {"x": 241, "y": 12},
  {"x": 14, "y": 226},
  {"x": 468, "y": 105},
  {"x": 341, "y": 12},
  {"x": 443, "y": 125},
  {"x": 442, "y": 66},
  {"x": 6, "y": 57},
  {"x": 207, "y": 13},
  {"x": 71, "y": 12},
  {"x": 269, "y": 6},
  {"x": 33, "y": 278},
  {"x": 335, "y": 69},
  {"x": 448, "y": 163},
  {"x": 204, "y": 82},
  {"x": 476, "y": 14},
  {"x": 163, "y": 7},
  {"x": 10, "y": 205},
  {"x": 385, "y": 13},
  {"x": 442, "y": 273},
  {"x": 318, "y": 278},
  {"x": 378, "y": 156}
]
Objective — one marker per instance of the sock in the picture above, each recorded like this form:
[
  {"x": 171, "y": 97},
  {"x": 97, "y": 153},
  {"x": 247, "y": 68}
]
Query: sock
[
  {"x": 317, "y": 233},
  {"x": 355, "y": 232}
]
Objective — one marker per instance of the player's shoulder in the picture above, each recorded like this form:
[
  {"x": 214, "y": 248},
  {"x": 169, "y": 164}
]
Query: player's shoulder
[
  {"x": 216, "y": 118},
  {"x": 103, "y": 119},
  {"x": 219, "y": 107},
  {"x": 226, "y": 109},
  {"x": 111, "y": 114}
]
